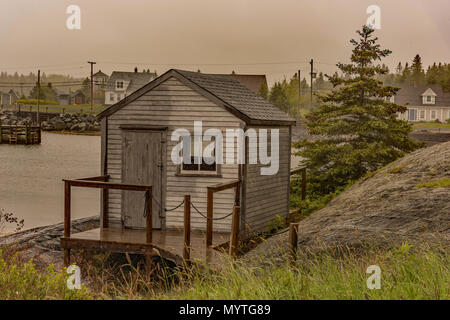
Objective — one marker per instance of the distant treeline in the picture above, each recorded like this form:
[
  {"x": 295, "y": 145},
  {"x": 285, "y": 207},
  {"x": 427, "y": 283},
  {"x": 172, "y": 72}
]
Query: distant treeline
[{"x": 284, "y": 94}]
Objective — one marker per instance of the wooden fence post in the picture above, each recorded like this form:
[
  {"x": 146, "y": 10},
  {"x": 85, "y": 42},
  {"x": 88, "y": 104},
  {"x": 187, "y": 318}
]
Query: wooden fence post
[
  {"x": 67, "y": 222},
  {"x": 149, "y": 208},
  {"x": 209, "y": 214},
  {"x": 234, "y": 239},
  {"x": 187, "y": 229},
  {"x": 293, "y": 242}
]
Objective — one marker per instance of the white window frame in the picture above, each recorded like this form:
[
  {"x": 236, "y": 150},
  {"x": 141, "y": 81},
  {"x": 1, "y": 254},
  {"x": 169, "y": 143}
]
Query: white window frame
[
  {"x": 119, "y": 85},
  {"x": 431, "y": 115},
  {"x": 409, "y": 120},
  {"x": 432, "y": 99},
  {"x": 112, "y": 97},
  {"x": 424, "y": 115}
]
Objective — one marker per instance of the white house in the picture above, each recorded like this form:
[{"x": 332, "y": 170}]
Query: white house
[
  {"x": 425, "y": 103},
  {"x": 122, "y": 84}
]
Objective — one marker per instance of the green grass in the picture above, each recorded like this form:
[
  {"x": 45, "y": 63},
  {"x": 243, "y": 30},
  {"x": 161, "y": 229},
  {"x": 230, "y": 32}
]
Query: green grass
[
  {"x": 405, "y": 274},
  {"x": 398, "y": 169},
  {"x": 22, "y": 281},
  {"x": 443, "y": 183},
  {"x": 84, "y": 108},
  {"x": 432, "y": 125}
]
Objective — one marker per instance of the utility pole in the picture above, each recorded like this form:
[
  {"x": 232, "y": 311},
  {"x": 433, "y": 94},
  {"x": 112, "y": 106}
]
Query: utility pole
[
  {"x": 299, "y": 90},
  {"x": 92, "y": 82},
  {"x": 312, "y": 76},
  {"x": 39, "y": 96}
]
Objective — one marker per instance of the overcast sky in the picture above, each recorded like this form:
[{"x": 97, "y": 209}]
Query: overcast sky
[{"x": 273, "y": 37}]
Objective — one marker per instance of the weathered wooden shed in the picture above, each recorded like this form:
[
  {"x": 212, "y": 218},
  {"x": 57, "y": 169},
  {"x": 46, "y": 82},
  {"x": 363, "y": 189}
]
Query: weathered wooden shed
[{"x": 137, "y": 148}]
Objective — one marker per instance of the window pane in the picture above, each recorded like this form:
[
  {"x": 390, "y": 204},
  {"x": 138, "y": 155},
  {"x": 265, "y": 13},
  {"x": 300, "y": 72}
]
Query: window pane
[
  {"x": 208, "y": 167},
  {"x": 191, "y": 167}
]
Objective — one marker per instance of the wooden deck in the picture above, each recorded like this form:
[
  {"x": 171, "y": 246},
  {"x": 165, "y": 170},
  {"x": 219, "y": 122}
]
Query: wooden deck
[{"x": 168, "y": 244}]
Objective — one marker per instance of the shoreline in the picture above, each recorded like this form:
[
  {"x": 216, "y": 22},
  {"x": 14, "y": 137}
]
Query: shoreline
[{"x": 75, "y": 133}]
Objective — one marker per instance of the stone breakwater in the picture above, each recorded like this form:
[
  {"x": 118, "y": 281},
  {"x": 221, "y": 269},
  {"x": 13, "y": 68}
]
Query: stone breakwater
[{"x": 77, "y": 122}]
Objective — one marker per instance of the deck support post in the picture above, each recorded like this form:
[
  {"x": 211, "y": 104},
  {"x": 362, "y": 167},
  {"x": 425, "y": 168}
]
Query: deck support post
[
  {"x": 187, "y": 229},
  {"x": 293, "y": 242},
  {"x": 234, "y": 239},
  {"x": 66, "y": 257},
  {"x": 67, "y": 207},
  {"x": 209, "y": 214},
  {"x": 149, "y": 208}
]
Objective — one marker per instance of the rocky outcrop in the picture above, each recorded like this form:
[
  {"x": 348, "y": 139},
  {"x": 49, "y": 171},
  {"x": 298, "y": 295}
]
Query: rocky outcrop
[
  {"x": 42, "y": 244},
  {"x": 386, "y": 209}
]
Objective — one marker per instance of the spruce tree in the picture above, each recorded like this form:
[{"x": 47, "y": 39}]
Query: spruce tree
[
  {"x": 417, "y": 73},
  {"x": 359, "y": 126}
]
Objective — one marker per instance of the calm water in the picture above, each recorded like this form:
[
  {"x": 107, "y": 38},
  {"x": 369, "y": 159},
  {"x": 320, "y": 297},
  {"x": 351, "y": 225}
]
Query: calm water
[{"x": 30, "y": 178}]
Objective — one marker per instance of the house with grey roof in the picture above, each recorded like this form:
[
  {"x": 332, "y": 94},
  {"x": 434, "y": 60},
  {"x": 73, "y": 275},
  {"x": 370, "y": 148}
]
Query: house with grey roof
[
  {"x": 141, "y": 136},
  {"x": 100, "y": 79},
  {"x": 121, "y": 84},
  {"x": 424, "y": 103}
]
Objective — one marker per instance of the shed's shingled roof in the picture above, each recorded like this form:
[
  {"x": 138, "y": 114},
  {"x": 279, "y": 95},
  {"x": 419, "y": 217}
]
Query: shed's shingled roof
[
  {"x": 252, "y": 81},
  {"x": 224, "y": 89},
  {"x": 236, "y": 94}
]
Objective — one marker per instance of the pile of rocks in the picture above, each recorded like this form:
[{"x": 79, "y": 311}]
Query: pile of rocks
[
  {"x": 78, "y": 122},
  {"x": 12, "y": 119}
]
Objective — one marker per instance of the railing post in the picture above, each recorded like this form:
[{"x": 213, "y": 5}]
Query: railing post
[
  {"x": 105, "y": 200},
  {"x": 293, "y": 242},
  {"x": 149, "y": 216},
  {"x": 234, "y": 239},
  {"x": 187, "y": 228},
  {"x": 209, "y": 214},
  {"x": 67, "y": 205},
  {"x": 304, "y": 184}
]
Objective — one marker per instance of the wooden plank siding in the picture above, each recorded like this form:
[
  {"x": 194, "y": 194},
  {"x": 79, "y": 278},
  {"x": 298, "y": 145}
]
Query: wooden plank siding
[
  {"x": 174, "y": 105},
  {"x": 267, "y": 195}
]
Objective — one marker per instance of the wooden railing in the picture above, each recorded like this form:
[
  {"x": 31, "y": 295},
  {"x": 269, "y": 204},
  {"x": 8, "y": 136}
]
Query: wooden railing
[
  {"x": 210, "y": 205},
  {"x": 100, "y": 183},
  {"x": 301, "y": 170}
]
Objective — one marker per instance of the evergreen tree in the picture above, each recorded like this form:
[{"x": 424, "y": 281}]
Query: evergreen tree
[
  {"x": 406, "y": 74},
  {"x": 417, "y": 73},
  {"x": 264, "y": 90},
  {"x": 360, "y": 128}
]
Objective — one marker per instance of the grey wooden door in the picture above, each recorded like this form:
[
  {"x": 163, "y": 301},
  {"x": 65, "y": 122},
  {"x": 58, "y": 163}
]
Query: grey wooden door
[{"x": 141, "y": 164}]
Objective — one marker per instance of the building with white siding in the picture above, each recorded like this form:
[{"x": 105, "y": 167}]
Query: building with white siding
[
  {"x": 425, "y": 103},
  {"x": 137, "y": 148},
  {"x": 121, "y": 84}
]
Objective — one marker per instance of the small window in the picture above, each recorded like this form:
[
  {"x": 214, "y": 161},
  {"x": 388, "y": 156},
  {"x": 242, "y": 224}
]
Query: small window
[
  {"x": 433, "y": 114},
  {"x": 428, "y": 98},
  {"x": 422, "y": 114},
  {"x": 111, "y": 97},
  {"x": 207, "y": 165},
  {"x": 119, "y": 84}
]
